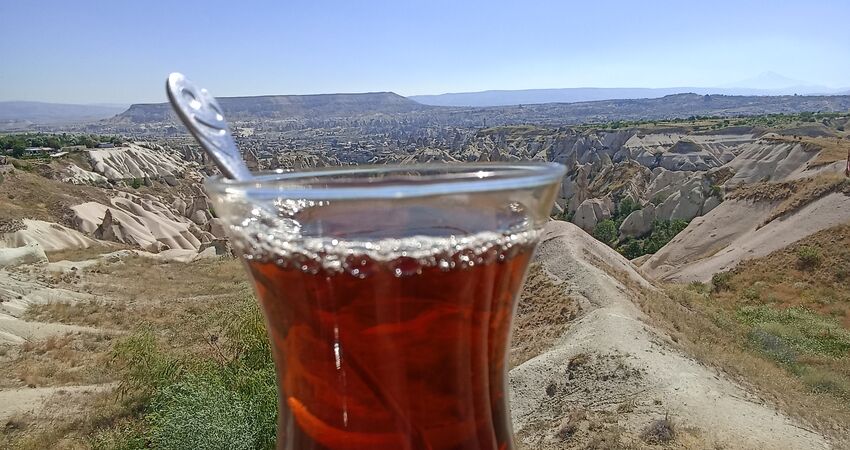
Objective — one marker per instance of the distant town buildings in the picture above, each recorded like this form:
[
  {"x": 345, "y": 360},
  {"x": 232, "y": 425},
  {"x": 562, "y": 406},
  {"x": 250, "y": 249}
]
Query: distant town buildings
[{"x": 32, "y": 151}]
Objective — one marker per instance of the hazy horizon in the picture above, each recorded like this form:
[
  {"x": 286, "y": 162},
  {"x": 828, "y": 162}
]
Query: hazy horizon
[{"x": 93, "y": 52}]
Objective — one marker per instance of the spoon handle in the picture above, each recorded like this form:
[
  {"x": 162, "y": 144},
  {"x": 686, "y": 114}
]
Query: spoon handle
[{"x": 200, "y": 113}]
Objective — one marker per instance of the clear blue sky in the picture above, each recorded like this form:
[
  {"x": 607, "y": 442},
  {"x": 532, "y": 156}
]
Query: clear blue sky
[{"x": 85, "y": 51}]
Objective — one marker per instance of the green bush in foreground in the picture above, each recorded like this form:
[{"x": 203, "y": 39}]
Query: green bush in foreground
[
  {"x": 205, "y": 411},
  {"x": 196, "y": 403}
]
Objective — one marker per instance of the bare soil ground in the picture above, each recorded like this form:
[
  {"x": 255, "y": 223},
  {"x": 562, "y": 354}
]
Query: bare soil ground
[
  {"x": 46, "y": 383},
  {"x": 25, "y": 195},
  {"x": 591, "y": 369},
  {"x": 613, "y": 375}
]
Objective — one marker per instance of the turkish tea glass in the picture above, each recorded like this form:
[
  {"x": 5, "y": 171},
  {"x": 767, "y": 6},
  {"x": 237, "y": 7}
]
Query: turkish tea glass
[{"x": 388, "y": 294}]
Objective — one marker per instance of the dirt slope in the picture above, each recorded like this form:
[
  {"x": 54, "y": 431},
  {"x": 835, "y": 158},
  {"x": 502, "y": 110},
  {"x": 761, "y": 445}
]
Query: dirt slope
[
  {"x": 733, "y": 232},
  {"x": 611, "y": 363}
]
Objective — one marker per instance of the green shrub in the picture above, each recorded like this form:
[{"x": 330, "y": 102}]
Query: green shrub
[
  {"x": 751, "y": 294},
  {"x": 801, "y": 329},
  {"x": 717, "y": 191},
  {"x": 808, "y": 257},
  {"x": 201, "y": 403},
  {"x": 698, "y": 286},
  {"x": 21, "y": 165},
  {"x": 627, "y": 206},
  {"x": 632, "y": 249},
  {"x": 720, "y": 281},
  {"x": 663, "y": 231},
  {"x": 606, "y": 231},
  {"x": 205, "y": 412}
]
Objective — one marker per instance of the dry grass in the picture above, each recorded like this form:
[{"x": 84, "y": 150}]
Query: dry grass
[
  {"x": 178, "y": 302},
  {"x": 82, "y": 254},
  {"x": 712, "y": 334},
  {"x": 174, "y": 299},
  {"x": 794, "y": 194},
  {"x": 144, "y": 279},
  {"x": 543, "y": 315},
  {"x": 603, "y": 429},
  {"x": 79, "y": 358},
  {"x": 709, "y": 330},
  {"x": 781, "y": 279},
  {"x": 72, "y": 421},
  {"x": 618, "y": 178},
  {"x": 92, "y": 313},
  {"x": 31, "y": 196},
  {"x": 660, "y": 431}
]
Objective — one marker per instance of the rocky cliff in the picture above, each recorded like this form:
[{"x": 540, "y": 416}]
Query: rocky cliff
[{"x": 285, "y": 106}]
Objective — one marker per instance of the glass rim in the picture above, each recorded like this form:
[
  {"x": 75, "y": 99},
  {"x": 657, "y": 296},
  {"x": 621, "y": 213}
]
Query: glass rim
[{"x": 359, "y": 182}]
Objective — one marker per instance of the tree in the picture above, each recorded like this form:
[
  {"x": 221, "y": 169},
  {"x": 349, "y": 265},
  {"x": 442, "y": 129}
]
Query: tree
[
  {"x": 606, "y": 231},
  {"x": 627, "y": 206},
  {"x": 632, "y": 249},
  {"x": 53, "y": 142},
  {"x": 18, "y": 147},
  {"x": 662, "y": 232}
]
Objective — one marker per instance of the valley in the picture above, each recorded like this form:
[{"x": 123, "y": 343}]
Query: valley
[{"x": 689, "y": 291}]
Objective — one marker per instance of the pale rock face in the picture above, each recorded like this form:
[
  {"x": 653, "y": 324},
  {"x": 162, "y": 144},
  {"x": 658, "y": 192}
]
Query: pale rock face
[
  {"x": 217, "y": 228},
  {"x": 179, "y": 205},
  {"x": 50, "y": 236},
  {"x": 73, "y": 174},
  {"x": 677, "y": 152},
  {"x": 112, "y": 230},
  {"x": 28, "y": 254},
  {"x": 200, "y": 217},
  {"x": 136, "y": 161},
  {"x": 592, "y": 211},
  {"x": 201, "y": 235},
  {"x": 157, "y": 247},
  {"x": 709, "y": 204},
  {"x": 576, "y": 189},
  {"x": 664, "y": 182},
  {"x": 221, "y": 247},
  {"x": 137, "y": 221},
  {"x": 198, "y": 212},
  {"x": 638, "y": 223},
  {"x": 767, "y": 160},
  {"x": 684, "y": 204}
]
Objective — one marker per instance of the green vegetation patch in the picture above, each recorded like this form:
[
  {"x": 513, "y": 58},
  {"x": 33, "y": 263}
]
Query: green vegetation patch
[
  {"x": 17, "y": 142},
  {"x": 801, "y": 330},
  {"x": 228, "y": 400},
  {"x": 813, "y": 347},
  {"x": 663, "y": 231}
]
